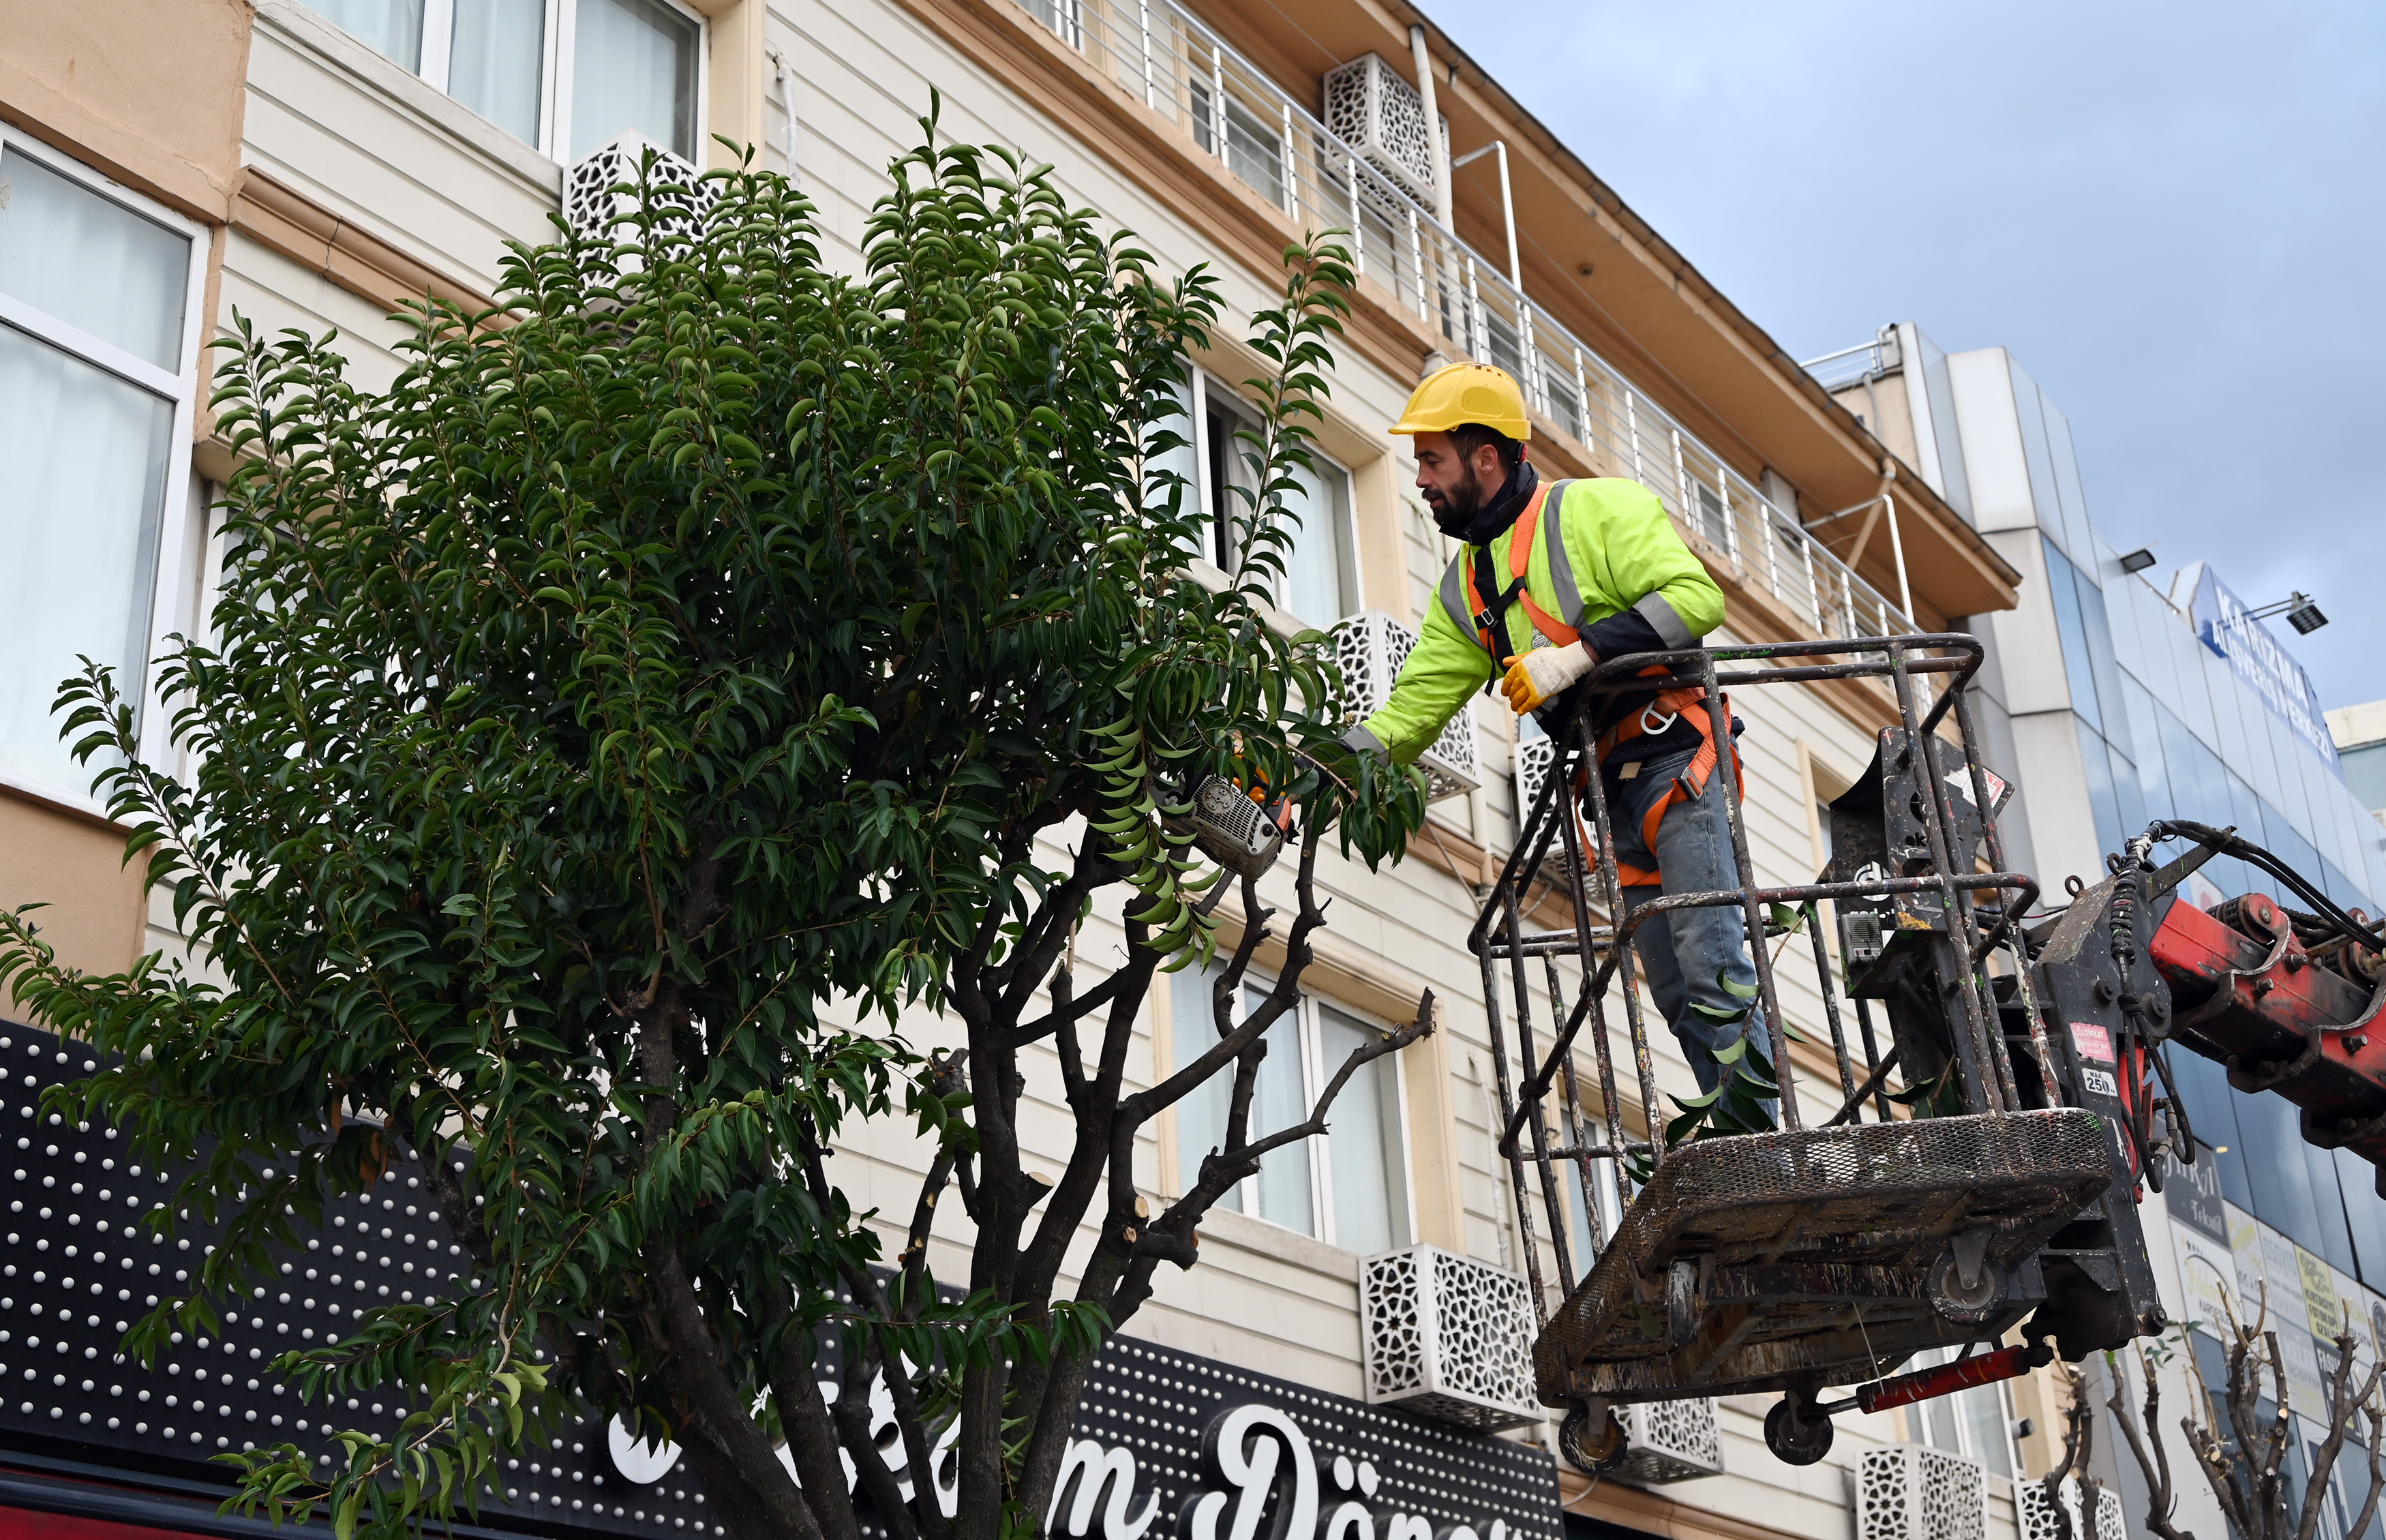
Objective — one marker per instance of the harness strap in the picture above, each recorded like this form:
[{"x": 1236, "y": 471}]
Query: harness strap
[
  {"x": 1688, "y": 787},
  {"x": 1486, "y": 604}
]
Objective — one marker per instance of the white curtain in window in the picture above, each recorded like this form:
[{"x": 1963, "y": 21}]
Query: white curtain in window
[
  {"x": 391, "y": 28},
  {"x": 1363, "y": 1142},
  {"x": 494, "y": 64},
  {"x": 1315, "y": 576},
  {"x": 90, "y": 262},
  {"x": 86, "y": 455},
  {"x": 1288, "y": 1194},
  {"x": 634, "y": 69},
  {"x": 1201, "y": 1116}
]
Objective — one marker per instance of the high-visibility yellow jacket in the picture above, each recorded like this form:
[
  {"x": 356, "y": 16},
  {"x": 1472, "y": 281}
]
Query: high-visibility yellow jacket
[{"x": 1609, "y": 564}]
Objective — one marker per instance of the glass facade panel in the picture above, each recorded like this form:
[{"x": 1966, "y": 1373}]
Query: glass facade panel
[
  {"x": 2061, "y": 587},
  {"x": 1318, "y": 572},
  {"x": 1287, "y": 1196},
  {"x": 2212, "y": 1108},
  {"x": 2283, "y": 1195},
  {"x": 2101, "y": 801},
  {"x": 2331, "y": 1239},
  {"x": 2364, "y": 1215}
]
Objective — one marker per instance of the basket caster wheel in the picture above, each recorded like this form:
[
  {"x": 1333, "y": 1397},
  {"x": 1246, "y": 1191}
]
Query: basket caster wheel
[
  {"x": 1964, "y": 1303},
  {"x": 1592, "y": 1453},
  {"x": 1796, "y": 1433}
]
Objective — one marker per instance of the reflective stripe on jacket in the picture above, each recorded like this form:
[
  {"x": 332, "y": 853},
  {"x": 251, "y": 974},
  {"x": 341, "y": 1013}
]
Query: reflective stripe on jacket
[{"x": 1610, "y": 549}]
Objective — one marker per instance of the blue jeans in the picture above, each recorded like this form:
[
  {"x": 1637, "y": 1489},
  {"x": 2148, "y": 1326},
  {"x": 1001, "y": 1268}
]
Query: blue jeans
[{"x": 1682, "y": 951}]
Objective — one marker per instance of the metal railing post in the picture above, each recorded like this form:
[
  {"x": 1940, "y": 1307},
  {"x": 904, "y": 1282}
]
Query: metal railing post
[
  {"x": 1582, "y": 396},
  {"x": 1218, "y": 97},
  {"x": 1632, "y": 433},
  {"x": 1416, "y": 254},
  {"x": 1475, "y": 348},
  {"x": 1150, "y": 86},
  {"x": 1358, "y": 221},
  {"x": 1290, "y": 163}
]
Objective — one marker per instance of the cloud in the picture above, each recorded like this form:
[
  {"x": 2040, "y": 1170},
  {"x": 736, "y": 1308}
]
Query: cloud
[{"x": 2172, "y": 215}]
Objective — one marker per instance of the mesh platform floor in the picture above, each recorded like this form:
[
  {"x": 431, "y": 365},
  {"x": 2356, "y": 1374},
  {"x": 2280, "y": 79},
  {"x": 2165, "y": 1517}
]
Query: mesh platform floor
[{"x": 1812, "y": 1248}]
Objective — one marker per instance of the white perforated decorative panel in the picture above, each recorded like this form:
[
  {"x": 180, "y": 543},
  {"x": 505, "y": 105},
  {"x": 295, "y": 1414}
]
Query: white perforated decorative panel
[
  {"x": 1670, "y": 1441},
  {"x": 593, "y": 200},
  {"x": 1449, "y": 1337},
  {"x": 1914, "y": 1491},
  {"x": 1371, "y": 646},
  {"x": 1370, "y": 107},
  {"x": 2037, "y": 1518}
]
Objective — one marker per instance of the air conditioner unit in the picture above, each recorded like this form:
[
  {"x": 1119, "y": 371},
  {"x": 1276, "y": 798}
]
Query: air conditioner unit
[
  {"x": 1370, "y": 107},
  {"x": 2038, "y": 1518},
  {"x": 1449, "y": 1338},
  {"x": 1913, "y": 1492},
  {"x": 1669, "y": 1440},
  {"x": 591, "y": 206},
  {"x": 1371, "y": 646}
]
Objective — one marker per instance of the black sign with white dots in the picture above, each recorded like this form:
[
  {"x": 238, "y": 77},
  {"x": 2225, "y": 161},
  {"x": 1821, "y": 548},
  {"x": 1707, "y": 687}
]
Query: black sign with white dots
[{"x": 1167, "y": 1445}]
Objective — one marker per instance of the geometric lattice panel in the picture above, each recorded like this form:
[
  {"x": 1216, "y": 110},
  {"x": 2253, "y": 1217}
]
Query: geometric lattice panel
[
  {"x": 592, "y": 206},
  {"x": 1449, "y": 1337},
  {"x": 1371, "y": 646},
  {"x": 1916, "y": 1492},
  {"x": 2037, "y": 1518},
  {"x": 1371, "y": 108},
  {"x": 1670, "y": 1441}
]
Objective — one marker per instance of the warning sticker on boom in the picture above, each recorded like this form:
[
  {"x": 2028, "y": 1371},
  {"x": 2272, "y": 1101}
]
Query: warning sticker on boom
[{"x": 2092, "y": 1041}]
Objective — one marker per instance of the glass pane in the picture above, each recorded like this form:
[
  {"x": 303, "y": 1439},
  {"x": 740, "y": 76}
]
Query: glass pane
[
  {"x": 1280, "y": 1101},
  {"x": 1984, "y": 1418},
  {"x": 633, "y": 70},
  {"x": 1201, "y": 1116},
  {"x": 86, "y": 455},
  {"x": 1362, "y": 1141},
  {"x": 1315, "y": 587},
  {"x": 92, "y": 262},
  {"x": 495, "y": 65},
  {"x": 390, "y": 28},
  {"x": 2062, "y": 588},
  {"x": 1254, "y": 151}
]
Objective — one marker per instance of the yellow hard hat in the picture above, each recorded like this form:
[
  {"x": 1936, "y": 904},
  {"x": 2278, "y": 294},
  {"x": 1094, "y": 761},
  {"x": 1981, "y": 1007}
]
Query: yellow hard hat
[{"x": 1466, "y": 393}]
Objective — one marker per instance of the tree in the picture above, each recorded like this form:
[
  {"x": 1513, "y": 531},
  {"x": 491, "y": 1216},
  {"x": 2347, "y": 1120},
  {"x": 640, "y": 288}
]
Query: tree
[
  {"x": 607, "y": 731},
  {"x": 2245, "y": 1459}
]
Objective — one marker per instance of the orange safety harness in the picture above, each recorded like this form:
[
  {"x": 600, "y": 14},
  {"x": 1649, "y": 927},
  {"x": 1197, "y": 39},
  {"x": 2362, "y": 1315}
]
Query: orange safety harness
[{"x": 1685, "y": 703}]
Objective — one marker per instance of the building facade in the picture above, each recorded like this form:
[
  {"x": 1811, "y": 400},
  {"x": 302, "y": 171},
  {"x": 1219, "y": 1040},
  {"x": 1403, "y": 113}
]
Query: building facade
[
  {"x": 317, "y": 163},
  {"x": 2115, "y": 701}
]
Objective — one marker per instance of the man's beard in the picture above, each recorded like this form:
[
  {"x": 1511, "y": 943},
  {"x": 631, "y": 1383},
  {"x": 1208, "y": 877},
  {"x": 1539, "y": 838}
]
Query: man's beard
[{"x": 1469, "y": 512}]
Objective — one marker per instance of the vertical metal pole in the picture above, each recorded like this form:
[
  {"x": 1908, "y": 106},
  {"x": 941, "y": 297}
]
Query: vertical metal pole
[
  {"x": 1813, "y": 588},
  {"x": 1940, "y": 827},
  {"x": 1527, "y": 1065},
  {"x": 1730, "y": 529},
  {"x": 1691, "y": 513},
  {"x": 1358, "y": 220},
  {"x": 1529, "y": 356},
  {"x": 1507, "y": 1115},
  {"x": 1574, "y": 1131},
  {"x": 1473, "y": 310},
  {"x": 1150, "y": 85},
  {"x": 1508, "y": 211},
  {"x": 1765, "y": 516},
  {"x": 1593, "y": 991},
  {"x": 1830, "y": 1002},
  {"x": 1767, "y": 995},
  {"x": 1872, "y": 1059},
  {"x": 1292, "y": 163},
  {"x": 1897, "y": 549},
  {"x": 1632, "y": 432},
  {"x": 1612, "y": 888},
  {"x": 1582, "y": 397},
  {"x": 2038, "y": 1049},
  {"x": 1218, "y": 95},
  {"x": 1416, "y": 254}
]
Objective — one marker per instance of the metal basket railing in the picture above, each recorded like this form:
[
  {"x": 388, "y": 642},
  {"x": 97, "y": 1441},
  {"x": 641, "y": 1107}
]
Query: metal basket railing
[{"x": 1187, "y": 75}]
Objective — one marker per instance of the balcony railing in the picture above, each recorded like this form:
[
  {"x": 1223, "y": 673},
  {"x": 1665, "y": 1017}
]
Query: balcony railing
[{"x": 1186, "y": 75}]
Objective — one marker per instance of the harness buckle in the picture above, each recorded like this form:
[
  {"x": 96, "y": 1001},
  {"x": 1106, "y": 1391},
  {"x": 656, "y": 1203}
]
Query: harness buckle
[{"x": 1653, "y": 728}]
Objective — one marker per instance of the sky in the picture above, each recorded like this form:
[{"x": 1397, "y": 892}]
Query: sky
[{"x": 2173, "y": 216}]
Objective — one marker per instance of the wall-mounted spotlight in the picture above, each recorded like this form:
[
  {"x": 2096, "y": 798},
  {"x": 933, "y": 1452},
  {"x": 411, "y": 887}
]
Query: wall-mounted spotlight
[{"x": 2139, "y": 559}]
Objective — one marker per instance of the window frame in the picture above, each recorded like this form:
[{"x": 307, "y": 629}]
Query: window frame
[
  {"x": 172, "y": 597},
  {"x": 559, "y": 36},
  {"x": 1315, "y": 1072},
  {"x": 1203, "y": 387}
]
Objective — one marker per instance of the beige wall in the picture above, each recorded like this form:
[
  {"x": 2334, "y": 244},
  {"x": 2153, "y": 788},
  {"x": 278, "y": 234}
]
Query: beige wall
[
  {"x": 146, "y": 91},
  {"x": 74, "y": 864}
]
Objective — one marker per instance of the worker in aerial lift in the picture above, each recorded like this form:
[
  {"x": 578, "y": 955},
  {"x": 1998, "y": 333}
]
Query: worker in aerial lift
[{"x": 1551, "y": 577}]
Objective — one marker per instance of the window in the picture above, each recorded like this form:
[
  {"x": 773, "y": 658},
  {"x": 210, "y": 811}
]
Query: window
[
  {"x": 98, "y": 305},
  {"x": 564, "y": 75},
  {"x": 1254, "y": 149},
  {"x": 1349, "y": 1188},
  {"x": 1978, "y": 1421},
  {"x": 1319, "y": 584}
]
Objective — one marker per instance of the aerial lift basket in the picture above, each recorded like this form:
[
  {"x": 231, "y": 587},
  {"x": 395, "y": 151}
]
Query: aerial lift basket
[{"x": 1829, "y": 1251}]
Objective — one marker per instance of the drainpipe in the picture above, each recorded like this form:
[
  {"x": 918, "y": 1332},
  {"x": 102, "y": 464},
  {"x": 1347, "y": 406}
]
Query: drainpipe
[
  {"x": 1896, "y": 545},
  {"x": 1435, "y": 150}
]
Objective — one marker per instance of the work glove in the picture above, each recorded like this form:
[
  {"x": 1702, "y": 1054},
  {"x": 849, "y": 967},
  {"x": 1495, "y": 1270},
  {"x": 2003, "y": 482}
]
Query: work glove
[{"x": 1541, "y": 675}]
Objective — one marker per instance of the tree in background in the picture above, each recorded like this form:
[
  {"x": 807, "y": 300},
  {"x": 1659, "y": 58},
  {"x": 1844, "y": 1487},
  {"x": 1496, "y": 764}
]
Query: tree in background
[
  {"x": 608, "y": 732},
  {"x": 2245, "y": 1458}
]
